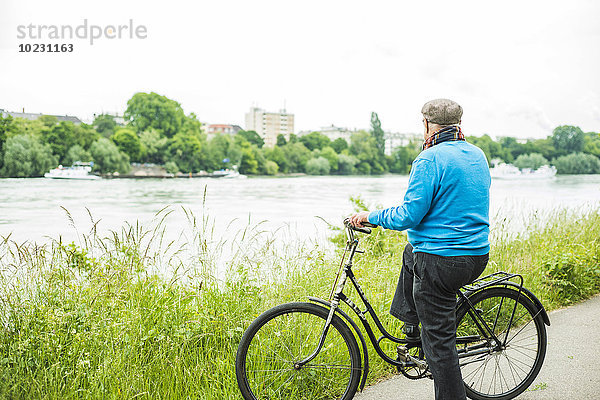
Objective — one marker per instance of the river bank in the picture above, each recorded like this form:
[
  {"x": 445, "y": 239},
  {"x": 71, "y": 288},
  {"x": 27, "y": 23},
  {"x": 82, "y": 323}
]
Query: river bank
[{"x": 100, "y": 318}]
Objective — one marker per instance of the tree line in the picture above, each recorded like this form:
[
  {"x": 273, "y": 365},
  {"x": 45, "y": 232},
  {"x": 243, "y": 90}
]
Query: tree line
[{"x": 157, "y": 131}]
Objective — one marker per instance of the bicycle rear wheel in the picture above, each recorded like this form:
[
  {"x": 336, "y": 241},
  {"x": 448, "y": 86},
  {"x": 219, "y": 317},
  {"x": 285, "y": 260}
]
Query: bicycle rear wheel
[
  {"x": 267, "y": 357},
  {"x": 500, "y": 372}
]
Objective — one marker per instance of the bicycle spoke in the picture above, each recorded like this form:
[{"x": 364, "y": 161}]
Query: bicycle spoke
[
  {"x": 511, "y": 368},
  {"x": 321, "y": 366}
]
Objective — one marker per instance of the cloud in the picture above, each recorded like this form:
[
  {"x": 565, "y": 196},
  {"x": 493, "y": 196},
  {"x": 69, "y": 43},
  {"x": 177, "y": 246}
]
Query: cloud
[{"x": 534, "y": 114}]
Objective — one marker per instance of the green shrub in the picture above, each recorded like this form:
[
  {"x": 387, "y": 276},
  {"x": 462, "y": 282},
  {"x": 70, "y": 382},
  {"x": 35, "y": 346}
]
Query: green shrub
[
  {"x": 346, "y": 164},
  {"x": 108, "y": 158},
  {"x": 171, "y": 167},
  {"x": 25, "y": 156},
  {"x": 317, "y": 166},
  {"x": 533, "y": 161},
  {"x": 577, "y": 163},
  {"x": 271, "y": 167},
  {"x": 77, "y": 153}
]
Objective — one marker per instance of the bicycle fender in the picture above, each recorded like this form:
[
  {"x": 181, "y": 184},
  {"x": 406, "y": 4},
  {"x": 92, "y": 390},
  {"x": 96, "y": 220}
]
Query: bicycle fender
[
  {"x": 363, "y": 342},
  {"x": 534, "y": 299},
  {"x": 524, "y": 290}
]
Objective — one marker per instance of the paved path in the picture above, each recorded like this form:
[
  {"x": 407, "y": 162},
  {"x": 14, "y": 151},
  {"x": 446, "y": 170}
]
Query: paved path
[{"x": 571, "y": 369}]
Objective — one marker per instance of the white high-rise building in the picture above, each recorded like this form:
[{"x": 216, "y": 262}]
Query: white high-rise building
[{"x": 269, "y": 125}]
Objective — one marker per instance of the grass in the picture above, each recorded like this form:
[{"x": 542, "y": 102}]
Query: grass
[{"x": 131, "y": 315}]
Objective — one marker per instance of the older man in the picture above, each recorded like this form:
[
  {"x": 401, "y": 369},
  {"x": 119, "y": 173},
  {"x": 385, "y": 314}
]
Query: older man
[{"x": 446, "y": 214}]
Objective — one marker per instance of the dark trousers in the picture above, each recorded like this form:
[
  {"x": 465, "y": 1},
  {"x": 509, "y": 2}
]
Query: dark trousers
[{"x": 426, "y": 293}]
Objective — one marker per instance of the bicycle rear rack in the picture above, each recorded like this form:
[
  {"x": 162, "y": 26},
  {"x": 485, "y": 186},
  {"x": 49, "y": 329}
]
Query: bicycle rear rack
[{"x": 496, "y": 278}]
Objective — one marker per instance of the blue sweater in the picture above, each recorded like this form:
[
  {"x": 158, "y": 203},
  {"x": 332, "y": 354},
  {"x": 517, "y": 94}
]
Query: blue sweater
[{"x": 446, "y": 205}]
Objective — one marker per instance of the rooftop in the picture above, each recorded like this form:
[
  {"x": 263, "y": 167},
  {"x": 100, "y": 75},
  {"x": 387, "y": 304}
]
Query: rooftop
[{"x": 34, "y": 116}]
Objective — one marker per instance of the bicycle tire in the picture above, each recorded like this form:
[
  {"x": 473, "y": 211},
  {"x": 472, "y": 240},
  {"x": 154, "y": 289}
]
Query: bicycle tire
[
  {"x": 515, "y": 366},
  {"x": 286, "y": 334}
]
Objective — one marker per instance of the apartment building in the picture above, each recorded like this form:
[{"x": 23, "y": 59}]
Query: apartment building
[{"x": 269, "y": 125}]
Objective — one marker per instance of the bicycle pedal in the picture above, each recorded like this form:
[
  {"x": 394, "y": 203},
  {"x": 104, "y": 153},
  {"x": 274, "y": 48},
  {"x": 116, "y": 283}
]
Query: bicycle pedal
[{"x": 403, "y": 355}]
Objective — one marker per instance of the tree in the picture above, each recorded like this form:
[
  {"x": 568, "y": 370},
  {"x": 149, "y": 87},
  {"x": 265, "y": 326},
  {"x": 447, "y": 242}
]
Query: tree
[
  {"x": 339, "y": 145},
  {"x": 346, "y": 164},
  {"x": 277, "y": 155},
  {"x": 364, "y": 147},
  {"x": 28, "y": 127},
  {"x": 171, "y": 167},
  {"x": 25, "y": 156},
  {"x": 281, "y": 140},
  {"x": 363, "y": 168},
  {"x": 317, "y": 166},
  {"x": 85, "y": 135},
  {"x": 491, "y": 148},
  {"x": 271, "y": 167},
  {"x": 60, "y": 137},
  {"x": 532, "y": 161},
  {"x": 77, "y": 153},
  {"x": 544, "y": 147},
  {"x": 187, "y": 151},
  {"x": 252, "y": 137},
  {"x": 568, "y": 139},
  {"x": 330, "y": 155},
  {"x": 191, "y": 125},
  {"x": 377, "y": 133},
  {"x": 105, "y": 125},
  {"x": 108, "y": 158},
  {"x": 7, "y": 127},
  {"x": 151, "y": 110},
  {"x": 48, "y": 120},
  {"x": 248, "y": 162},
  {"x": 128, "y": 142},
  {"x": 577, "y": 163},
  {"x": 153, "y": 147},
  {"x": 260, "y": 159},
  {"x": 315, "y": 140},
  {"x": 402, "y": 158},
  {"x": 297, "y": 155},
  {"x": 592, "y": 143},
  {"x": 512, "y": 148},
  {"x": 223, "y": 152}
]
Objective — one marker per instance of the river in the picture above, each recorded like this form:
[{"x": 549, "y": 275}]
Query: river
[{"x": 31, "y": 209}]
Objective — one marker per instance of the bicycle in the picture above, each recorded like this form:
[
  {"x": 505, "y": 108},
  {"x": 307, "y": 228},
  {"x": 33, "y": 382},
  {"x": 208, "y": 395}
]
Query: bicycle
[{"x": 309, "y": 350}]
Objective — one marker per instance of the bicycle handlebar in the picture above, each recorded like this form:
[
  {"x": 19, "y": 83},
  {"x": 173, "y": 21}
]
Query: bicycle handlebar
[{"x": 365, "y": 229}]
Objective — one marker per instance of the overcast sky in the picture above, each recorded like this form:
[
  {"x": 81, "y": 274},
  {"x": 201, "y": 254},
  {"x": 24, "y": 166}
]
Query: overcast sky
[{"x": 518, "y": 68}]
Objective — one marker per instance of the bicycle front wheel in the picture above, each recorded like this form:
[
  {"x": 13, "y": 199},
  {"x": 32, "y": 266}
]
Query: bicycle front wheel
[
  {"x": 266, "y": 363},
  {"x": 502, "y": 371}
]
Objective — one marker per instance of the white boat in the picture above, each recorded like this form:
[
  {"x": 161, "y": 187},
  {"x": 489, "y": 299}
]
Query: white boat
[
  {"x": 78, "y": 170},
  {"x": 509, "y": 171},
  {"x": 234, "y": 175},
  {"x": 228, "y": 173}
]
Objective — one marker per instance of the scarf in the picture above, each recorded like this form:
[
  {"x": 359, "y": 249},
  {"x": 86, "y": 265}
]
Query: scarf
[{"x": 448, "y": 133}]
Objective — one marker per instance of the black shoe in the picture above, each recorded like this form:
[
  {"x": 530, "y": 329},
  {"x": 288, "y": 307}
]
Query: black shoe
[{"x": 411, "y": 332}]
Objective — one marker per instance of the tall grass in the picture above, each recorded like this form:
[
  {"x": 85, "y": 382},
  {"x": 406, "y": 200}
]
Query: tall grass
[{"x": 131, "y": 315}]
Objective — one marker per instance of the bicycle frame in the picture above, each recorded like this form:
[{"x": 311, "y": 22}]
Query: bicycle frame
[{"x": 337, "y": 295}]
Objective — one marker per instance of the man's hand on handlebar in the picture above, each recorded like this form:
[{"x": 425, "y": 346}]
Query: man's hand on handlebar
[{"x": 358, "y": 219}]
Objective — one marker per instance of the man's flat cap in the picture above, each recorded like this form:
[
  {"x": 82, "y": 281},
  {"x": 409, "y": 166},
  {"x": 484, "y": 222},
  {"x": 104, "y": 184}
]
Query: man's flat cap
[{"x": 442, "y": 112}]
